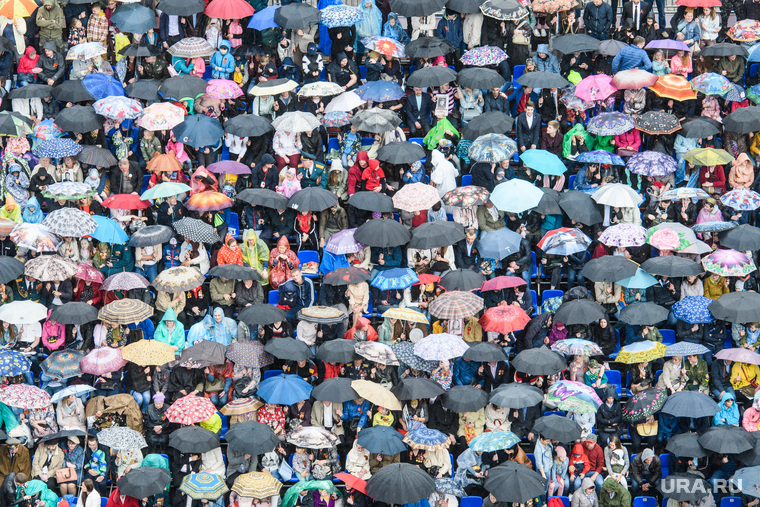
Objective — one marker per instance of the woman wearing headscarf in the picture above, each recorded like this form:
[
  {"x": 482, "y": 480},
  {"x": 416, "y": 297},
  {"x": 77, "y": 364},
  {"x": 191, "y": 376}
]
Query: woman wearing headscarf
[
  {"x": 370, "y": 25},
  {"x": 32, "y": 213},
  {"x": 357, "y": 461},
  {"x": 281, "y": 260}
]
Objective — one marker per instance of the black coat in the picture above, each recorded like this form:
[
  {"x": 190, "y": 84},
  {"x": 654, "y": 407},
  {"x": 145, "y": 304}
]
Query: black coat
[
  {"x": 270, "y": 179},
  {"x": 482, "y": 176},
  {"x": 526, "y": 136},
  {"x": 463, "y": 259},
  {"x": 608, "y": 419},
  {"x": 421, "y": 114},
  {"x": 442, "y": 419},
  {"x": 135, "y": 177},
  {"x": 628, "y": 14},
  {"x": 491, "y": 381}
]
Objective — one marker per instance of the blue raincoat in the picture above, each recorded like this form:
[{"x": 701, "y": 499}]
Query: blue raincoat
[
  {"x": 371, "y": 25},
  {"x": 727, "y": 416},
  {"x": 32, "y": 213},
  {"x": 395, "y": 31}
]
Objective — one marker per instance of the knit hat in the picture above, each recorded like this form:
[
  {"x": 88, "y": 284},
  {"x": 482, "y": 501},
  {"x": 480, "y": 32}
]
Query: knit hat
[
  {"x": 159, "y": 398},
  {"x": 646, "y": 454},
  {"x": 561, "y": 452}
]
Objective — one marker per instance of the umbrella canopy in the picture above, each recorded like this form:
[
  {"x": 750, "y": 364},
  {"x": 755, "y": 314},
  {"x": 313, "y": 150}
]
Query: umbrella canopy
[
  {"x": 478, "y": 78},
  {"x": 728, "y": 262},
  {"x": 440, "y": 347},
  {"x": 652, "y": 163},
  {"x": 741, "y": 199},
  {"x": 182, "y": 87},
  {"x": 151, "y": 235},
  {"x": 31, "y": 91},
  {"x": 257, "y": 485},
  {"x": 199, "y": 131},
  {"x": 74, "y": 313},
  {"x": 10, "y": 269},
  {"x": 125, "y": 281},
  {"x": 693, "y": 310},
  {"x": 296, "y": 16},
  {"x": 63, "y": 364},
  {"x": 672, "y": 266},
  {"x": 400, "y": 483},
  {"x": 464, "y": 197},
  {"x": 125, "y": 311},
  {"x": 378, "y": 91},
  {"x": 746, "y": 30},
  {"x": 633, "y": 79},
  {"x": 726, "y": 440},
  {"x": 121, "y": 438},
  {"x": 428, "y": 47},
  {"x": 263, "y": 197},
  {"x": 579, "y": 312},
  {"x": 739, "y": 355},
  {"x": 191, "y": 47},
  {"x": 483, "y": 56},
  {"x": 322, "y": 315},
  {"x": 311, "y": 437},
  {"x": 261, "y": 314},
  {"x": 462, "y": 399},
  {"x": 248, "y": 125},
  {"x": 708, "y": 156},
  {"x": 371, "y": 201},
  {"x": 580, "y": 207},
  {"x": 455, "y": 305},
  {"x": 273, "y": 87},
  {"x": 35, "y": 237},
  {"x": 145, "y": 89},
  {"x": 409, "y": 8},
  {"x": 644, "y": 403},
  {"x": 124, "y": 201},
  {"x": 516, "y": 396},
  {"x": 376, "y": 394},
  {"x": 700, "y": 127},
  {"x": 574, "y": 397},
  {"x": 710, "y": 83},
  {"x": 504, "y": 319},
  {"x": 595, "y": 87},
  {"x": 346, "y": 276},
  {"x": 109, "y": 231},
  {"x": 251, "y": 437},
  {"x": 288, "y": 349},
  {"x": 296, "y": 121},
  {"x": 460, "y": 279},
  {"x": 543, "y": 161},
  {"x": 494, "y": 441},
  {"x": 203, "y": 353},
  {"x": 576, "y": 347},
  {"x": 564, "y": 241},
  {"x": 209, "y": 201},
  {"x": 743, "y": 120},
  {"x": 431, "y": 76},
  {"x": 148, "y": 353},
  {"x": 744, "y": 237},
  {"x": 426, "y": 439},
  {"x": 381, "y": 440},
  {"x": 514, "y": 482},
  {"x": 161, "y": 116},
  {"x": 404, "y": 352},
  {"x": 178, "y": 279},
  {"x": 623, "y": 235},
  {"x": 640, "y": 352},
  {"x": 617, "y": 195},
  {"x": 335, "y": 389},
  {"x": 685, "y": 444},
  {"x": 321, "y": 89},
  {"x": 249, "y": 354},
  {"x": 47, "y": 268},
  {"x": 313, "y": 199},
  {"x": 70, "y": 222},
  {"x": 542, "y": 79},
  {"x": 436, "y": 234},
  {"x": 134, "y": 18},
  {"x": 485, "y": 352},
  {"x": 284, "y": 390},
  {"x": 499, "y": 244},
  {"x": 658, "y": 122},
  {"x": 516, "y": 196},
  {"x": 395, "y": 279},
  {"x": 382, "y": 232},
  {"x": 143, "y": 481},
  {"x": 668, "y": 44},
  {"x": 203, "y": 485},
  {"x": 13, "y": 363},
  {"x": 539, "y": 361},
  {"x": 417, "y": 388},
  {"x": 557, "y": 428},
  {"x": 96, "y": 156},
  {"x": 72, "y": 91},
  {"x": 25, "y": 396},
  {"x": 643, "y": 314},
  {"x": 576, "y": 43},
  {"x": 346, "y": 101},
  {"x": 194, "y": 439},
  {"x": 611, "y": 123},
  {"x": 190, "y": 410},
  {"x": 494, "y": 148},
  {"x": 376, "y": 352},
  {"x": 101, "y": 86}
]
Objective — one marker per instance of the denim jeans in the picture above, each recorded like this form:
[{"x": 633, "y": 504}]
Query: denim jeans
[
  {"x": 150, "y": 271},
  {"x": 142, "y": 399},
  {"x": 574, "y": 278},
  {"x": 597, "y": 482},
  {"x": 220, "y": 398}
]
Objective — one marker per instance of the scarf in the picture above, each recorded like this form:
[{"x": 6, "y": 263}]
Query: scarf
[{"x": 304, "y": 222}]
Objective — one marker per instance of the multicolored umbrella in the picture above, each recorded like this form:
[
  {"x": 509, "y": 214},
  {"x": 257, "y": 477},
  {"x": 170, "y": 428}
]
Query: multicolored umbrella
[
  {"x": 257, "y": 485},
  {"x": 658, "y": 122},
  {"x": 746, "y": 30},
  {"x": 102, "y": 360},
  {"x": 204, "y": 485},
  {"x": 640, "y": 352},
  {"x": 161, "y": 116},
  {"x": 667, "y": 236},
  {"x": 125, "y": 311},
  {"x": 600, "y": 157},
  {"x": 395, "y": 279},
  {"x": 47, "y": 268},
  {"x": 448, "y": 486},
  {"x": 553, "y": 6},
  {"x": 334, "y": 16},
  {"x": 35, "y": 237},
  {"x": 577, "y": 347},
  {"x": 25, "y": 396},
  {"x": 47, "y": 129},
  {"x": 633, "y": 79},
  {"x": 14, "y": 9},
  {"x": 439, "y": 347},
  {"x": 190, "y": 410},
  {"x": 494, "y": 441},
  {"x": 542, "y": 161},
  {"x": 574, "y": 397},
  {"x": 380, "y": 91},
  {"x": 13, "y": 363},
  {"x": 426, "y": 439},
  {"x": 492, "y": 148},
  {"x": 336, "y": 119},
  {"x": 404, "y": 352},
  {"x": 70, "y": 223},
  {"x": 572, "y": 102},
  {"x": 680, "y": 193},
  {"x": 610, "y": 124},
  {"x": 384, "y": 46},
  {"x": 63, "y": 364},
  {"x": 208, "y": 201},
  {"x": 223, "y": 89},
  {"x": 464, "y": 197},
  {"x": 595, "y": 87},
  {"x": 57, "y": 148},
  {"x": 686, "y": 349},
  {"x": 118, "y": 108},
  {"x": 564, "y": 241},
  {"x": 673, "y": 86},
  {"x": 644, "y": 403},
  {"x": 652, "y": 163},
  {"x": 455, "y": 305},
  {"x": 376, "y": 352},
  {"x": 504, "y": 319},
  {"x": 741, "y": 199},
  {"x": 121, "y": 438},
  {"x": 624, "y": 235},
  {"x": 727, "y": 262},
  {"x": 68, "y": 190},
  {"x": 249, "y": 354},
  {"x": 483, "y": 56},
  {"x": 415, "y": 197},
  {"x": 711, "y": 83},
  {"x": 406, "y": 314},
  {"x": 148, "y": 353}
]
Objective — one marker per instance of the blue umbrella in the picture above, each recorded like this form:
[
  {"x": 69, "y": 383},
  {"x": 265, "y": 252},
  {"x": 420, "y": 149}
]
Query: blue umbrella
[
  {"x": 499, "y": 244},
  {"x": 13, "y": 363},
  {"x": 133, "y": 18},
  {"x": 694, "y": 310},
  {"x": 449, "y": 487},
  {"x": 199, "y": 131},
  {"x": 686, "y": 349},
  {"x": 264, "y": 19},
  {"x": 109, "y": 231},
  {"x": 395, "y": 279},
  {"x": 544, "y": 162},
  {"x": 101, "y": 86},
  {"x": 284, "y": 390},
  {"x": 334, "y": 16},
  {"x": 381, "y": 440},
  {"x": 426, "y": 438},
  {"x": 714, "y": 226},
  {"x": 494, "y": 441},
  {"x": 57, "y": 148},
  {"x": 380, "y": 91},
  {"x": 641, "y": 280},
  {"x": 599, "y": 157}
]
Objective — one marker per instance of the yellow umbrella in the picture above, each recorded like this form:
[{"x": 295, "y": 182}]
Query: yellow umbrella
[
  {"x": 641, "y": 352},
  {"x": 256, "y": 485},
  {"x": 15, "y": 9},
  {"x": 708, "y": 156},
  {"x": 406, "y": 314},
  {"x": 148, "y": 353},
  {"x": 376, "y": 394}
]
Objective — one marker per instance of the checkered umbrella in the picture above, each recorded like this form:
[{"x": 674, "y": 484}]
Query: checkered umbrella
[{"x": 455, "y": 305}]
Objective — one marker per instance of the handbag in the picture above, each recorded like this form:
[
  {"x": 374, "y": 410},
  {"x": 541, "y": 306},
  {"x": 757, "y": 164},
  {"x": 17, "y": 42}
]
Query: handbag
[{"x": 65, "y": 475}]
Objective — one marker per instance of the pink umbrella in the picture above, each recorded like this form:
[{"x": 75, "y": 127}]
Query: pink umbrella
[
  {"x": 88, "y": 273},
  {"x": 101, "y": 361},
  {"x": 633, "y": 79},
  {"x": 502, "y": 282},
  {"x": 223, "y": 89},
  {"x": 739, "y": 355},
  {"x": 595, "y": 87}
]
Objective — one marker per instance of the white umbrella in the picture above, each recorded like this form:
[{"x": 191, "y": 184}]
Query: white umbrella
[
  {"x": 296, "y": 122},
  {"x": 23, "y": 312},
  {"x": 320, "y": 89},
  {"x": 617, "y": 195},
  {"x": 346, "y": 101},
  {"x": 86, "y": 50},
  {"x": 516, "y": 196}
]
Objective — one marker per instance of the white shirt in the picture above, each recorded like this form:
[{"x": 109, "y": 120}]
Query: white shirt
[
  {"x": 529, "y": 119},
  {"x": 173, "y": 25},
  {"x": 328, "y": 417}
]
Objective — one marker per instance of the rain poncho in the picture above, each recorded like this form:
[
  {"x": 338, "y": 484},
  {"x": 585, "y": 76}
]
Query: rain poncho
[
  {"x": 11, "y": 210},
  {"x": 394, "y": 31},
  {"x": 438, "y": 132},
  {"x": 17, "y": 183},
  {"x": 255, "y": 255},
  {"x": 221, "y": 332},
  {"x": 577, "y": 130},
  {"x": 372, "y": 24},
  {"x": 32, "y": 213},
  {"x": 289, "y": 500},
  {"x": 35, "y": 487},
  {"x": 727, "y": 416},
  {"x": 177, "y": 337},
  {"x": 230, "y": 255},
  {"x": 444, "y": 173}
]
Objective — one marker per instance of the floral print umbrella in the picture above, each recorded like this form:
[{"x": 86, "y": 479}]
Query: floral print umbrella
[
  {"x": 67, "y": 190},
  {"x": 161, "y": 116},
  {"x": 439, "y": 347},
  {"x": 687, "y": 348},
  {"x": 684, "y": 193},
  {"x": 644, "y": 403},
  {"x": 223, "y": 89},
  {"x": 552, "y": 6},
  {"x": 189, "y": 410},
  {"x": 741, "y": 199},
  {"x": 573, "y": 102},
  {"x": 25, "y": 396},
  {"x": 574, "y": 397},
  {"x": 728, "y": 262},
  {"x": 384, "y": 46},
  {"x": 595, "y": 87},
  {"x": 599, "y": 157},
  {"x": 376, "y": 352},
  {"x": 483, "y": 56},
  {"x": 46, "y": 268},
  {"x": 70, "y": 222},
  {"x": 57, "y": 148},
  {"x": 334, "y": 16},
  {"x": 47, "y": 129},
  {"x": 610, "y": 124},
  {"x": 577, "y": 347},
  {"x": 641, "y": 352},
  {"x": 667, "y": 238},
  {"x": 102, "y": 360},
  {"x": 404, "y": 352},
  {"x": 63, "y": 364},
  {"x": 35, "y": 237},
  {"x": 652, "y": 163},
  {"x": 465, "y": 197},
  {"x": 336, "y": 119},
  {"x": 624, "y": 235},
  {"x": 492, "y": 148},
  {"x": 746, "y": 30},
  {"x": 427, "y": 439},
  {"x": 121, "y": 438},
  {"x": 415, "y": 197},
  {"x": 13, "y": 363},
  {"x": 658, "y": 122},
  {"x": 711, "y": 83},
  {"x": 494, "y": 441},
  {"x": 118, "y": 108}
]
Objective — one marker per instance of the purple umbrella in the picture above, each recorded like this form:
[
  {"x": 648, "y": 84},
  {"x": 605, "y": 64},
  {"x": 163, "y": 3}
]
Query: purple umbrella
[
  {"x": 229, "y": 167},
  {"x": 674, "y": 45},
  {"x": 125, "y": 281},
  {"x": 343, "y": 242},
  {"x": 652, "y": 163}
]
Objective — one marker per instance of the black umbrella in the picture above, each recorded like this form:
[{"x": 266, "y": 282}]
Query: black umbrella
[
  {"x": 539, "y": 361},
  {"x": 672, "y": 266},
  {"x": 79, "y": 119},
  {"x": 194, "y": 439},
  {"x": 264, "y": 197},
  {"x": 558, "y": 428},
  {"x": 181, "y": 7},
  {"x": 56, "y": 436},
  {"x": 685, "y": 445},
  {"x": 251, "y": 437},
  {"x": 14, "y": 124},
  {"x": 643, "y": 314},
  {"x": 72, "y": 91},
  {"x": 516, "y": 396},
  {"x": 743, "y": 121},
  {"x": 690, "y": 404},
  {"x": 372, "y": 201},
  {"x": 313, "y": 199},
  {"x": 96, "y": 156},
  {"x": 504, "y": 10},
  {"x": 182, "y": 87},
  {"x": 145, "y": 89},
  {"x": 580, "y": 207},
  {"x": 461, "y": 399},
  {"x": 336, "y": 351},
  {"x": 479, "y": 78},
  {"x": 400, "y": 153},
  {"x": 400, "y": 483},
  {"x": 462, "y": 279},
  {"x": 541, "y": 79},
  {"x": 464, "y": 6},
  {"x": 288, "y": 349},
  {"x": 514, "y": 483},
  {"x": 134, "y": 18},
  {"x": 248, "y": 125},
  {"x": 249, "y": 50},
  {"x": 382, "y": 233},
  {"x": 750, "y": 458},
  {"x": 345, "y": 276},
  {"x": 737, "y": 307},
  {"x": 261, "y": 315},
  {"x": 337, "y": 389},
  {"x": 417, "y": 388},
  {"x": 140, "y": 50},
  {"x": 431, "y": 76},
  {"x": 144, "y": 482},
  {"x": 579, "y": 311},
  {"x": 494, "y": 122},
  {"x": 724, "y": 49},
  {"x": 373, "y": 121},
  {"x": 8, "y": 45},
  {"x": 416, "y": 7},
  {"x": 549, "y": 203},
  {"x": 436, "y": 234},
  {"x": 202, "y": 354},
  {"x": 742, "y": 238},
  {"x": 381, "y": 440},
  {"x": 74, "y": 313},
  {"x": 700, "y": 127},
  {"x": 10, "y": 269},
  {"x": 611, "y": 47},
  {"x": 684, "y": 487},
  {"x": 575, "y": 43},
  {"x": 151, "y": 235},
  {"x": 235, "y": 272},
  {"x": 485, "y": 352},
  {"x": 609, "y": 268},
  {"x": 196, "y": 230},
  {"x": 428, "y": 47},
  {"x": 296, "y": 16},
  {"x": 31, "y": 91},
  {"x": 726, "y": 439}
]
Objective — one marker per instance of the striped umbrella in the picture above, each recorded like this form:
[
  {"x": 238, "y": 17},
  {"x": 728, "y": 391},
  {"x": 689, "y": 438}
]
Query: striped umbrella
[
  {"x": 455, "y": 305},
  {"x": 203, "y": 486},
  {"x": 125, "y": 311},
  {"x": 407, "y": 314},
  {"x": 102, "y": 360},
  {"x": 256, "y": 485}
]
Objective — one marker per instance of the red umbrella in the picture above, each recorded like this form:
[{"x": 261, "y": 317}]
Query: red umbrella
[
  {"x": 190, "y": 410},
  {"x": 229, "y": 9},
  {"x": 699, "y": 3},
  {"x": 88, "y": 273},
  {"x": 633, "y": 79},
  {"x": 125, "y": 201},
  {"x": 502, "y": 282},
  {"x": 208, "y": 201},
  {"x": 504, "y": 319},
  {"x": 427, "y": 278},
  {"x": 352, "y": 482}
]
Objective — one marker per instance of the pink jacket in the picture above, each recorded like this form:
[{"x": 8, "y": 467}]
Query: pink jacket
[
  {"x": 630, "y": 138},
  {"x": 53, "y": 334},
  {"x": 179, "y": 150},
  {"x": 199, "y": 68},
  {"x": 751, "y": 419}
]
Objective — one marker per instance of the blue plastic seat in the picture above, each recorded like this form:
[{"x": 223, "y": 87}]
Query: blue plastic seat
[
  {"x": 272, "y": 373},
  {"x": 233, "y": 225},
  {"x": 535, "y": 302},
  {"x": 466, "y": 180},
  {"x": 570, "y": 181},
  {"x": 665, "y": 466},
  {"x": 417, "y": 140},
  {"x": 551, "y": 293},
  {"x": 471, "y": 501},
  {"x": 532, "y": 458},
  {"x": 613, "y": 377},
  {"x": 146, "y": 180},
  {"x": 363, "y": 72},
  {"x": 668, "y": 336},
  {"x": 645, "y": 501},
  {"x": 730, "y": 501},
  {"x": 309, "y": 256},
  {"x": 274, "y": 297},
  {"x": 560, "y": 413}
]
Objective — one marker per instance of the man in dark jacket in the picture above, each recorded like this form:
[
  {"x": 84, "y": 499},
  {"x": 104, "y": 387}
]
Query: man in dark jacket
[
  {"x": 492, "y": 375},
  {"x": 295, "y": 294},
  {"x": 608, "y": 417},
  {"x": 528, "y": 128},
  {"x": 466, "y": 254},
  {"x": 523, "y": 419},
  {"x": 482, "y": 175},
  {"x": 126, "y": 178},
  {"x": 50, "y": 65},
  {"x": 170, "y": 211},
  {"x": 646, "y": 473},
  {"x": 598, "y": 18},
  {"x": 418, "y": 109},
  {"x": 720, "y": 378},
  {"x": 495, "y": 101},
  {"x": 57, "y": 292},
  {"x": 665, "y": 293},
  {"x": 262, "y": 176},
  {"x": 171, "y": 29},
  {"x": 280, "y": 223}
]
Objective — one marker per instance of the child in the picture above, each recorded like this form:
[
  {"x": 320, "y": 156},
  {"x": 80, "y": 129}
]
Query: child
[
  {"x": 374, "y": 67},
  {"x": 302, "y": 464},
  {"x": 93, "y": 180},
  {"x": 558, "y": 477},
  {"x": 659, "y": 66},
  {"x": 350, "y": 142},
  {"x": 26, "y": 65},
  {"x": 77, "y": 34},
  {"x": 681, "y": 64},
  {"x": 290, "y": 185},
  {"x": 383, "y": 417},
  {"x": 85, "y": 250}
]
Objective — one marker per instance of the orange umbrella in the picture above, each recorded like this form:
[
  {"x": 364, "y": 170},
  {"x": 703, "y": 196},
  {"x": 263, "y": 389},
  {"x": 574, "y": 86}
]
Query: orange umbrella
[
  {"x": 14, "y": 9},
  {"x": 164, "y": 162},
  {"x": 673, "y": 86},
  {"x": 208, "y": 201},
  {"x": 504, "y": 319}
]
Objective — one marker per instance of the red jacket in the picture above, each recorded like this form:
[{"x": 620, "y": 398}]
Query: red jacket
[{"x": 115, "y": 500}]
